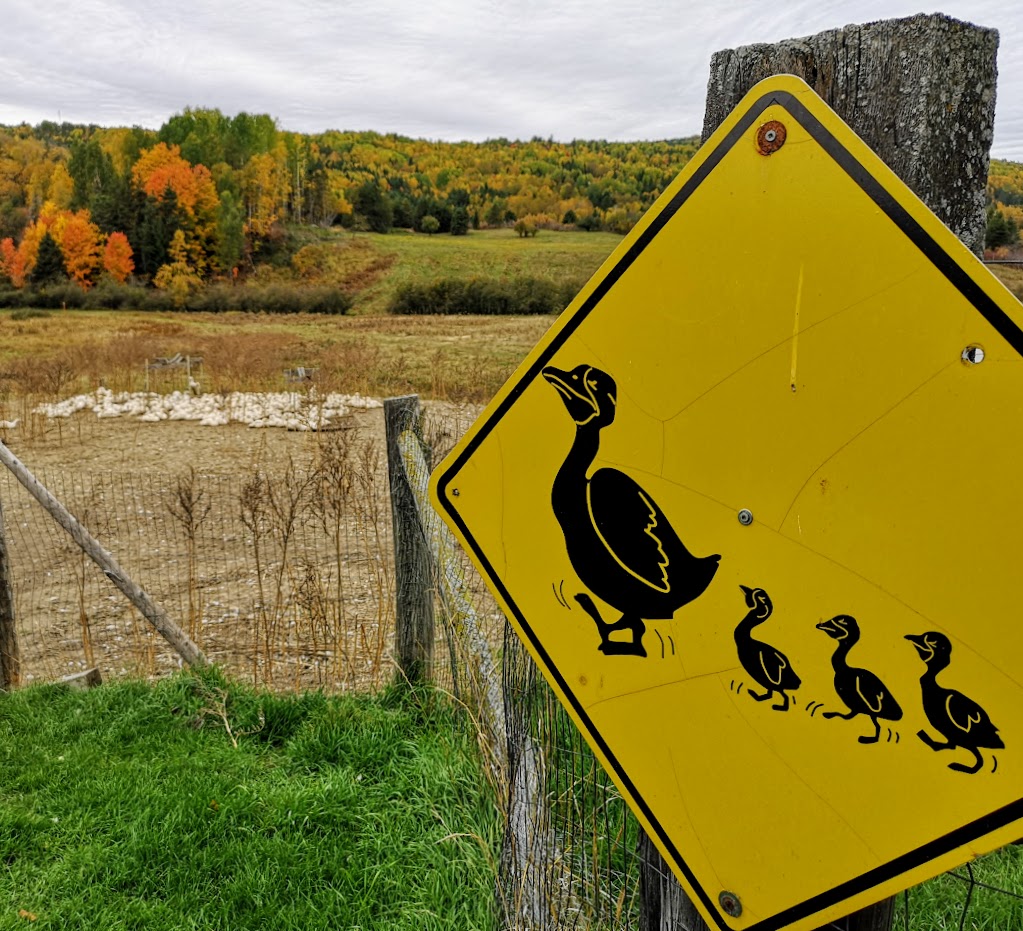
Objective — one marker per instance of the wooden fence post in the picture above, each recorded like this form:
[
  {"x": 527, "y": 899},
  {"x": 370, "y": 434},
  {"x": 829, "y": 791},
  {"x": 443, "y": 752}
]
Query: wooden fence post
[
  {"x": 413, "y": 632},
  {"x": 92, "y": 548},
  {"x": 10, "y": 657},
  {"x": 920, "y": 92}
]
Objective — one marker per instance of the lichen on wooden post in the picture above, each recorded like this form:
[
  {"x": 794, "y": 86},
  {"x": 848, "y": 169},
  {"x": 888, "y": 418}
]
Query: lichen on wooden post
[
  {"x": 413, "y": 631},
  {"x": 919, "y": 91},
  {"x": 10, "y": 656}
]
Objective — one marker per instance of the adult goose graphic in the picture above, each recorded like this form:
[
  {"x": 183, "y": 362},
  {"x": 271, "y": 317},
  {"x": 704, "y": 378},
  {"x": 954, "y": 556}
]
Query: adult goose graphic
[{"x": 620, "y": 543}]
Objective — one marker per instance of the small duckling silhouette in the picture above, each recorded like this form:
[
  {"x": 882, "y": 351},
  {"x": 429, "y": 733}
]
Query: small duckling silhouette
[
  {"x": 860, "y": 689},
  {"x": 960, "y": 720},
  {"x": 768, "y": 666}
]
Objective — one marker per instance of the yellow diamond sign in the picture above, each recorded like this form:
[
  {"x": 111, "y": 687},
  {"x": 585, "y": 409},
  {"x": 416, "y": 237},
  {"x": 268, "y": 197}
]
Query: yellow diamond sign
[{"x": 754, "y": 504}]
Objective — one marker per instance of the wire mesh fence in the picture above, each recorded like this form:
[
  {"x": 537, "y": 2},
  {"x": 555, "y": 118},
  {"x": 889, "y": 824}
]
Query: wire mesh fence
[
  {"x": 284, "y": 575},
  {"x": 574, "y": 857}
]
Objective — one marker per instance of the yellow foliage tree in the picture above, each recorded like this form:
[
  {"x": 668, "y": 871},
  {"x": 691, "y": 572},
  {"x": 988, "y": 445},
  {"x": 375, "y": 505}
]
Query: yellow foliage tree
[
  {"x": 177, "y": 277},
  {"x": 162, "y": 169}
]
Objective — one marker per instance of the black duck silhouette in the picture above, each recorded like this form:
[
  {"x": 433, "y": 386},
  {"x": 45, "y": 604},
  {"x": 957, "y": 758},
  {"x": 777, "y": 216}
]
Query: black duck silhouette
[
  {"x": 768, "y": 666},
  {"x": 619, "y": 542},
  {"x": 960, "y": 720},
  {"x": 860, "y": 689}
]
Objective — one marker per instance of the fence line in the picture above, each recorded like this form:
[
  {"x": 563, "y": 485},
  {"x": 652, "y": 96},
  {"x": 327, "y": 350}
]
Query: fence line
[
  {"x": 284, "y": 575},
  {"x": 279, "y": 575},
  {"x": 573, "y": 855}
]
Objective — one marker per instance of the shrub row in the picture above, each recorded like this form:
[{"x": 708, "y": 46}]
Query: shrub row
[
  {"x": 519, "y": 295},
  {"x": 274, "y": 298}
]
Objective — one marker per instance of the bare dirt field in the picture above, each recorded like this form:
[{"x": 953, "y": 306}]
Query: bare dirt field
[{"x": 270, "y": 547}]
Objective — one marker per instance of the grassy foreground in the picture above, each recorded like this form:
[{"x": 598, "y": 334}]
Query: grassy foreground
[{"x": 130, "y": 806}]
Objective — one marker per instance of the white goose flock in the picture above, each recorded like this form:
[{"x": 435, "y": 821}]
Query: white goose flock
[{"x": 291, "y": 410}]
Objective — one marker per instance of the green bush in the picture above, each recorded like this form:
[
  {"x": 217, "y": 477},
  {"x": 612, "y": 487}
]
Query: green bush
[
  {"x": 57, "y": 296},
  {"x": 490, "y": 296},
  {"x": 27, "y": 313},
  {"x": 108, "y": 295}
]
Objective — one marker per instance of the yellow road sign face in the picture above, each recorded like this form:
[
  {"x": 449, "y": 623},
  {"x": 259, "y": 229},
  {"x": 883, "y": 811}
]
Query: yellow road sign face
[{"x": 754, "y": 505}]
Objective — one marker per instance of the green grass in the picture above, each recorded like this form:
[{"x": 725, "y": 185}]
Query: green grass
[
  {"x": 417, "y": 258},
  {"x": 129, "y": 807},
  {"x": 995, "y": 903}
]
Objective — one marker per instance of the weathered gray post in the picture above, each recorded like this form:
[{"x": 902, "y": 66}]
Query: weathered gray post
[
  {"x": 10, "y": 656},
  {"x": 413, "y": 632},
  {"x": 920, "y": 92}
]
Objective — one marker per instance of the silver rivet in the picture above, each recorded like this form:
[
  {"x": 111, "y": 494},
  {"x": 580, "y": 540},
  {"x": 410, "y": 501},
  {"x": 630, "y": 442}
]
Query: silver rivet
[
  {"x": 731, "y": 904},
  {"x": 973, "y": 355},
  {"x": 770, "y": 135},
  {"x": 455, "y": 492},
  {"x": 745, "y": 517}
]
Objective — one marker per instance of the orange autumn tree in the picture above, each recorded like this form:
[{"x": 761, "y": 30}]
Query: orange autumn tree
[
  {"x": 79, "y": 240},
  {"x": 18, "y": 261},
  {"x": 162, "y": 169},
  {"x": 117, "y": 257}
]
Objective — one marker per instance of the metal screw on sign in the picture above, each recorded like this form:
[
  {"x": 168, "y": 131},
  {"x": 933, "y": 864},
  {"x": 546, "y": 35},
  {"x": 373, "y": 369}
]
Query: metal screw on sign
[
  {"x": 455, "y": 492},
  {"x": 731, "y": 904},
  {"x": 771, "y": 137},
  {"x": 745, "y": 517},
  {"x": 973, "y": 355}
]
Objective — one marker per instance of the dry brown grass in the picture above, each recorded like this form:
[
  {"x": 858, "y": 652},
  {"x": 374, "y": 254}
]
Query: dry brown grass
[
  {"x": 446, "y": 358},
  {"x": 1011, "y": 276}
]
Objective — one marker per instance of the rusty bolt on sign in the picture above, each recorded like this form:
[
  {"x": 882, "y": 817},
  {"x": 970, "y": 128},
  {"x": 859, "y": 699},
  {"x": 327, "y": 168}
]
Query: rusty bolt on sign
[
  {"x": 771, "y": 137},
  {"x": 730, "y": 903}
]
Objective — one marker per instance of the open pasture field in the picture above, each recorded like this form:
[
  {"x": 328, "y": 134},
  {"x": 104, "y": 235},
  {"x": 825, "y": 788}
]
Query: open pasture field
[
  {"x": 374, "y": 266},
  {"x": 451, "y": 357},
  {"x": 262, "y": 595}
]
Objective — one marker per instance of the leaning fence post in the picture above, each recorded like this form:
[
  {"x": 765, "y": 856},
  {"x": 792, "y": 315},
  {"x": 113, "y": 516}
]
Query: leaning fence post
[
  {"x": 92, "y": 548},
  {"x": 920, "y": 92},
  {"x": 10, "y": 657},
  {"x": 413, "y": 631}
]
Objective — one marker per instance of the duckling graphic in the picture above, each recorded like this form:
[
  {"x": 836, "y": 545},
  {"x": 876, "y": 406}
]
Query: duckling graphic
[
  {"x": 768, "y": 666},
  {"x": 860, "y": 689},
  {"x": 619, "y": 542},
  {"x": 960, "y": 720}
]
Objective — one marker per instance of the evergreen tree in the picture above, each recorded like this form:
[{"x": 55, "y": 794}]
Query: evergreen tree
[
  {"x": 1001, "y": 230},
  {"x": 232, "y": 231},
  {"x": 459, "y": 221},
  {"x": 157, "y": 226},
  {"x": 49, "y": 267},
  {"x": 371, "y": 204},
  {"x": 495, "y": 213},
  {"x": 92, "y": 173},
  {"x": 404, "y": 212}
]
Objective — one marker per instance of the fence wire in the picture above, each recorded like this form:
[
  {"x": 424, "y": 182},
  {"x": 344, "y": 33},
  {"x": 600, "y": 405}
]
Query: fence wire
[
  {"x": 573, "y": 856},
  {"x": 285, "y": 576}
]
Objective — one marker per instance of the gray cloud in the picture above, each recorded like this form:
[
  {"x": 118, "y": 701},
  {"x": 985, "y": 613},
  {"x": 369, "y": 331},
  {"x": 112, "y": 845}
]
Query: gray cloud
[{"x": 451, "y": 69}]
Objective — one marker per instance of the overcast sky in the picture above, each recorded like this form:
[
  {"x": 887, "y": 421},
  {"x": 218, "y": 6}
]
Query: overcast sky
[{"x": 440, "y": 69}]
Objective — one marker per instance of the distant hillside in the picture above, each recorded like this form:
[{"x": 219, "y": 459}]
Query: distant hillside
[
  {"x": 208, "y": 196},
  {"x": 231, "y": 185}
]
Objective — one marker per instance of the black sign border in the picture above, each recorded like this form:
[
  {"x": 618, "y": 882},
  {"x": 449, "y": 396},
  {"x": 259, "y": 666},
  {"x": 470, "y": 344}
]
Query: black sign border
[{"x": 966, "y": 286}]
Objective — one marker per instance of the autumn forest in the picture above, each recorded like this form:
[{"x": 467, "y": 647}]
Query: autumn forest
[{"x": 212, "y": 200}]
